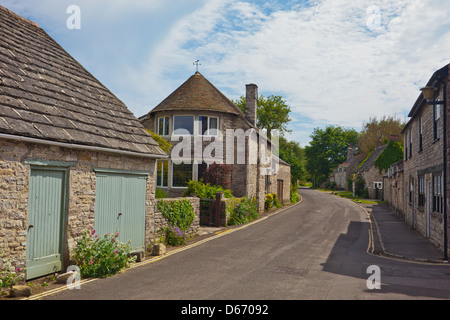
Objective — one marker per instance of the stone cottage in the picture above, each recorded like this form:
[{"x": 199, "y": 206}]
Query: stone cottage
[
  {"x": 422, "y": 181},
  {"x": 212, "y": 129},
  {"x": 371, "y": 174},
  {"x": 344, "y": 171},
  {"x": 72, "y": 156}
]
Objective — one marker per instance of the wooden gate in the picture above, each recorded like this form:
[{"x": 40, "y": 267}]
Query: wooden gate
[
  {"x": 210, "y": 211},
  {"x": 46, "y": 207},
  {"x": 280, "y": 191}
]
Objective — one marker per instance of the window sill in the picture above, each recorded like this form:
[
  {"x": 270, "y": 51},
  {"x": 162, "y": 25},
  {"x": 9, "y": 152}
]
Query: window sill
[{"x": 435, "y": 140}]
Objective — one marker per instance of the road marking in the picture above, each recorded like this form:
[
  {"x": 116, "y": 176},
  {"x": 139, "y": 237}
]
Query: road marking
[{"x": 155, "y": 259}]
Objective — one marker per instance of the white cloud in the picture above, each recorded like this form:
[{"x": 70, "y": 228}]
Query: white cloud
[{"x": 328, "y": 59}]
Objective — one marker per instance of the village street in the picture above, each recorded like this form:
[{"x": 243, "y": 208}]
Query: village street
[{"x": 314, "y": 250}]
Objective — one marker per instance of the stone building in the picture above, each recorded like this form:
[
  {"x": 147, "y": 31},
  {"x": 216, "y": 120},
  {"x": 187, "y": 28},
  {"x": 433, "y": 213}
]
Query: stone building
[
  {"x": 73, "y": 158},
  {"x": 343, "y": 172},
  {"x": 371, "y": 174},
  {"x": 422, "y": 200},
  {"x": 208, "y": 127}
]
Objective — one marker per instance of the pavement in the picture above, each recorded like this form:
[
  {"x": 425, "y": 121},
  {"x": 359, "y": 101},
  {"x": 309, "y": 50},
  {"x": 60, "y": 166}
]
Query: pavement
[{"x": 397, "y": 239}]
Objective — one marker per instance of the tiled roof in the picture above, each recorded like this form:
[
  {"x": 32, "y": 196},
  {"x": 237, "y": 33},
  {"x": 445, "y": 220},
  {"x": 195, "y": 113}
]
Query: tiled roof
[
  {"x": 197, "y": 93},
  {"x": 369, "y": 162},
  {"x": 46, "y": 94}
]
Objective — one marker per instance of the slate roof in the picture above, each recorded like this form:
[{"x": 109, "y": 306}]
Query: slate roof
[
  {"x": 46, "y": 94},
  {"x": 372, "y": 158},
  {"x": 197, "y": 93}
]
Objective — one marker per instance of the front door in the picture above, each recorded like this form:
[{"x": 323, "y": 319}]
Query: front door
[{"x": 46, "y": 206}]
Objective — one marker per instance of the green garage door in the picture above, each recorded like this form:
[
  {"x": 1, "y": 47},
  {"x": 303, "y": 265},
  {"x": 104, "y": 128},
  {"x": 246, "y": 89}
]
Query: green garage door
[
  {"x": 46, "y": 201},
  {"x": 120, "y": 206}
]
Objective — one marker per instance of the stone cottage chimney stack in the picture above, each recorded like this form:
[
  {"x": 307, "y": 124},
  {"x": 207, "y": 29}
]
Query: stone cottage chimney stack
[{"x": 251, "y": 98}]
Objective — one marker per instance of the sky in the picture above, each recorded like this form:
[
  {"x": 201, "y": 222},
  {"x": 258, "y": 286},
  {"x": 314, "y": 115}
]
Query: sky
[{"x": 334, "y": 62}]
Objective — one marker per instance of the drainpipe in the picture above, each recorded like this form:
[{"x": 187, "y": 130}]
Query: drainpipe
[{"x": 444, "y": 169}]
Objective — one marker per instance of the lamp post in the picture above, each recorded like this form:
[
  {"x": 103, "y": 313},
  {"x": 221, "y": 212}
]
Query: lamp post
[{"x": 428, "y": 94}]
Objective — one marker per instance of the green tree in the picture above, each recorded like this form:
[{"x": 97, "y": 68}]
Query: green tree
[
  {"x": 327, "y": 150},
  {"x": 292, "y": 153},
  {"x": 378, "y": 130},
  {"x": 272, "y": 113}
]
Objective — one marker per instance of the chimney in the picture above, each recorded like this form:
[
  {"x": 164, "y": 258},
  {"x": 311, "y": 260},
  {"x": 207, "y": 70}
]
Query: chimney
[{"x": 251, "y": 97}]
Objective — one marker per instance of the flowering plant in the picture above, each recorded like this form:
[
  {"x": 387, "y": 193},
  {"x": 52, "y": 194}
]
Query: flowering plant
[
  {"x": 174, "y": 236},
  {"x": 101, "y": 256},
  {"x": 10, "y": 275}
]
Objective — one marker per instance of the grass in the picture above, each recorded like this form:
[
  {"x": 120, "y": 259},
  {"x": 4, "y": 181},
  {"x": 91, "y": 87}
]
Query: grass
[{"x": 349, "y": 195}]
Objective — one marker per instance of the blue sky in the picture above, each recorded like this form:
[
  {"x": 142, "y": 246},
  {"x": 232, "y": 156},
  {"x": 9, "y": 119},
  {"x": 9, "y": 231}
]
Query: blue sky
[{"x": 335, "y": 62}]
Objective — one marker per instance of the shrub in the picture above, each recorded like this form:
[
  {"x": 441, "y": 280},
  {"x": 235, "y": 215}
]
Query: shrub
[
  {"x": 218, "y": 175},
  {"x": 294, "y": 194},
  {"x": 101, "y": 257},
  {"x": 160, "y": 193},
  {"x": 245, "y": 211},
  {"x": 271, "y": 200},
  {"x": 179, "y": 213},
  {"x": 205, "y": 190},
  {"x": 360, "y": 183},
  {"x": 173, "y": 236}
]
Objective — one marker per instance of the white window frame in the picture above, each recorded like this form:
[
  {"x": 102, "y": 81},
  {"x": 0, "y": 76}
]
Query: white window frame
[
  {"x": 193, "y": 125},
  {"x": 165, "y": 119},
  {"x": 162, "y": 174},
  {"x": 171, "y": 182},
  {"x": 200, "y": 127}
]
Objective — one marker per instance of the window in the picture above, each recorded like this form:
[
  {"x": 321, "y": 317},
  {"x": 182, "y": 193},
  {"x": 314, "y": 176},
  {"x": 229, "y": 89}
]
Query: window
[
  {"x": 183, "y": 122},
  {"x": 437, "y": 192},
  {"x": 181, "y": 174},
  {"x": 163, "y": 126},
  {"x": 436, "y": 116},
  {"x": 421, "y": 191},
  {"x": 410, "y": 141},
  {"x": 406, "y": 145},
  {"x": 208, "y": 126},
  {"x": 411, "y": 189},
  {"x": 420, "y": 133},
  {"x": 162, "y": 173}
]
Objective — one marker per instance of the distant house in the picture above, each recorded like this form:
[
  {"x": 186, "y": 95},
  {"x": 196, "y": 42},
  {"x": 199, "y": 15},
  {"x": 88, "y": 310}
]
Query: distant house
[
  {"x": 198, "y": 112},
  {"x": 344, "y": 171},
  {"x": 371, "y": 174},
  {"x": 72, "y": 156}
]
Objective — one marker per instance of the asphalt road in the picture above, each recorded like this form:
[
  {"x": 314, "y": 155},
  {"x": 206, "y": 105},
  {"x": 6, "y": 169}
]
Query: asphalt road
[{"x": 317, "y": 250}]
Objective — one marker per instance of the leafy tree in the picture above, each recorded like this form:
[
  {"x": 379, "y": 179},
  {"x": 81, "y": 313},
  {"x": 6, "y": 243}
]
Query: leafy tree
[
  {"x": 378, "y": 130},
  {"x": 292, "y": 153},
  {"x": 272, "y": 113},
  {"x": 327, "y": 150}
]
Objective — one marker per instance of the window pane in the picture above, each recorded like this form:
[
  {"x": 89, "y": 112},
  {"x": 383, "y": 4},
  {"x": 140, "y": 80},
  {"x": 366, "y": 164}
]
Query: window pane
[
  {"x": 182, "y": 173},
  {"x": 184, "y": 122},
  {"x": 213, "y": 126},
  {"x": 158, "y": 173},
  {"x": 166, "y": 126},
  {"x": 161, "y": 126},
  {"x": 165, "y": 177},
  {"x": 202, "y": 125}
]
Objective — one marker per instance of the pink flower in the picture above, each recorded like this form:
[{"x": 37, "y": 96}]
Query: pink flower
[
  {"x": 116, "y": 251},
  {"x": 93, "y": 231},
  {"x": 91, "y": 262}
]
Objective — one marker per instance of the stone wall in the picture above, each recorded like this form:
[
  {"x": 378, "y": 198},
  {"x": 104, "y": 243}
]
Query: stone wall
[
  {"x": 160, "y": 222},
  {"x": 80, "y": 199}
]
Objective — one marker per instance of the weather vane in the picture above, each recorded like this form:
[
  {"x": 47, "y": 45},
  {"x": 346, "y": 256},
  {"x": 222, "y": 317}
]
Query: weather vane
[{"x": 196, "y": 63}]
